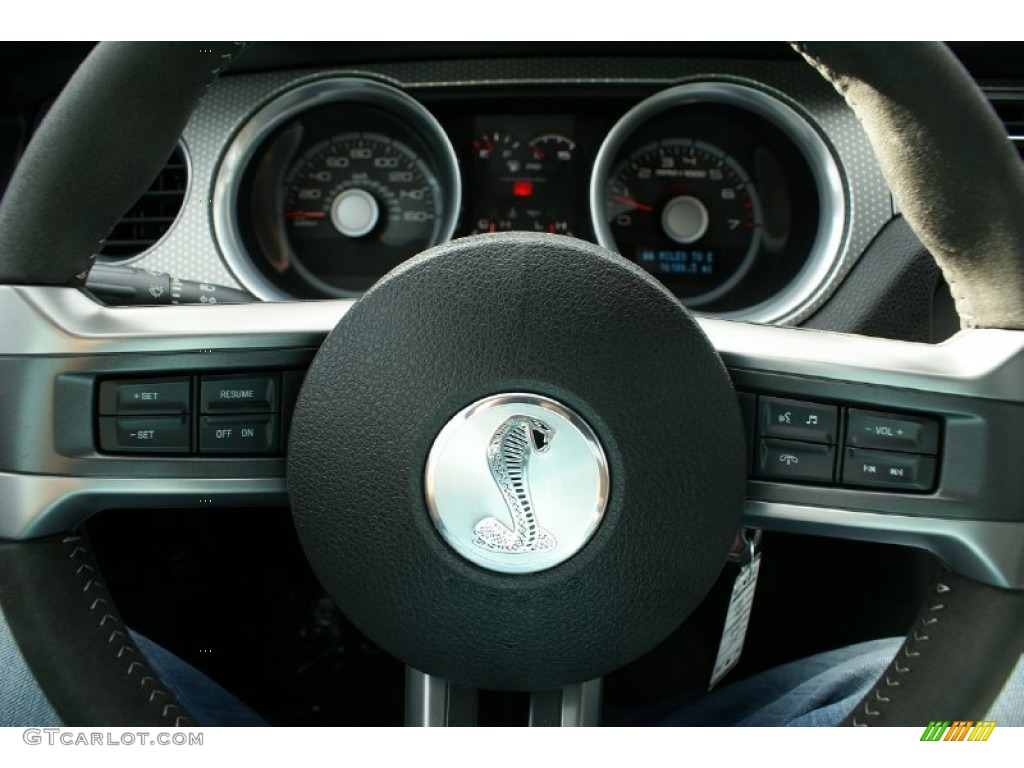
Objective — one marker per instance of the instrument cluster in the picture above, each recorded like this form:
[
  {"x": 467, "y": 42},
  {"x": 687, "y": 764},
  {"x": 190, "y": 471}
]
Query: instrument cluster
[{"x": 723, "y": 191}]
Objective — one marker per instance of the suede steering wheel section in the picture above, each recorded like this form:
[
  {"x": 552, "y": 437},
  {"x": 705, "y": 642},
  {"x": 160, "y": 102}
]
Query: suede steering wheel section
[{"x": 957, "y": 183}]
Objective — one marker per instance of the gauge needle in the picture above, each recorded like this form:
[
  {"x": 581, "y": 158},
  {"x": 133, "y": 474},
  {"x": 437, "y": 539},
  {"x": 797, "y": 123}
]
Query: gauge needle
[
  {"x": 304, "y": 214},
  {"x": 632, "y": 203}
]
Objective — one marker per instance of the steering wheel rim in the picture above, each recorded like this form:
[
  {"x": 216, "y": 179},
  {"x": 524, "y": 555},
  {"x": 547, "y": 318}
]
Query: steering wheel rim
[{"x": 990, "y": 298}]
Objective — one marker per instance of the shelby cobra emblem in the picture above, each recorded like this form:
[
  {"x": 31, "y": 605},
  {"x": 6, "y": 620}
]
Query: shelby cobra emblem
[
  {"x": 516, "y": 483},
  {"x": 508, "y": 456}
]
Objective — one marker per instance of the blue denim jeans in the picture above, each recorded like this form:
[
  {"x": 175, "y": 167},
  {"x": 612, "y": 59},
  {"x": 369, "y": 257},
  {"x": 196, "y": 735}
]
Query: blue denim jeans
[
  {"x": 820, "y": 690},
  {"x": 22, "y": 702}
]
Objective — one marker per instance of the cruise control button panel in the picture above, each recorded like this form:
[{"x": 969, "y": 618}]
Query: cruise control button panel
[{"x": 222, "y": 414}]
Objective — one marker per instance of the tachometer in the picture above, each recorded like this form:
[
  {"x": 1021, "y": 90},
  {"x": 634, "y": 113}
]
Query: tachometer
[
  {"x": 726, "y": 194},
  {"x": 688, "y": 213}
]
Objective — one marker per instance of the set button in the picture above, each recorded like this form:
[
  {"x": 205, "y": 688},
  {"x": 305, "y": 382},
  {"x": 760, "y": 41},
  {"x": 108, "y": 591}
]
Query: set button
[
  {"x": 145, "y": 434},
  {"x": 146, "y": 416},
  {"x": 149, "y": 396}
]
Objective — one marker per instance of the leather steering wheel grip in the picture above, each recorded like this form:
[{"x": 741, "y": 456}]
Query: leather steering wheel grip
[
  {"x": 960, "y": 185},
  {"x": 967, "y": 638},
  {"x": 100, "y": 146},
  {"x": 956, "y": 178}
]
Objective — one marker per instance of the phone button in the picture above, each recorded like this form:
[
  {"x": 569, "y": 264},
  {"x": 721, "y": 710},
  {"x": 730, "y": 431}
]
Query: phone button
[{"x": 795, "y": 461}]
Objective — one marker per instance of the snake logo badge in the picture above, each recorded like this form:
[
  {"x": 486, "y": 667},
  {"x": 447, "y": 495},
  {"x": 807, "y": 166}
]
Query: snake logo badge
[
  {"x": 516, "y": 483},
  {"x": 508, "y": 456}
]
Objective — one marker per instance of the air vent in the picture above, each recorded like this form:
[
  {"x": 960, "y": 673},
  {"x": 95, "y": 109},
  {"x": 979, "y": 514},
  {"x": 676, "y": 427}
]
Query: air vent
[
  {"x": 1010, "y": 108},
  {"x": 152, "y": 215}
]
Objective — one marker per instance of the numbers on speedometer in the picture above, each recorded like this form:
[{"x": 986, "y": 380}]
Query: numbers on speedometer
[
  {"x": 688, "y": 213},
  {"x": 357, "y": 201},
  {"x": 331, "y": 185}
]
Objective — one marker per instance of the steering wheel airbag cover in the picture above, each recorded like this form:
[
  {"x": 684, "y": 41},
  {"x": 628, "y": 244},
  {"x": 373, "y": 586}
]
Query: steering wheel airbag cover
[{"x": 517, "y": 313}]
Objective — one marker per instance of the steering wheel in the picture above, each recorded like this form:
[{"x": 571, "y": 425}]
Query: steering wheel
[{"x": 533, "y": 374}]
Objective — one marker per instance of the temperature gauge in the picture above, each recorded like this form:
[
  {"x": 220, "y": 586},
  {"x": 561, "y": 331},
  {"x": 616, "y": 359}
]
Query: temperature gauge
[{"x": 524, "y": 184}]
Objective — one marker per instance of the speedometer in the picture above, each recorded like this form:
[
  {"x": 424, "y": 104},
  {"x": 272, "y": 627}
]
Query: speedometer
[
  {"x": 688, "y": 213},
  {"x": 330, "y": 186},
  {"x": 357, "y": 202}
]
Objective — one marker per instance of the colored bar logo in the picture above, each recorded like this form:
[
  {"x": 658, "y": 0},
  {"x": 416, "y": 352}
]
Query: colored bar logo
[{"x": 958, "y": 730}]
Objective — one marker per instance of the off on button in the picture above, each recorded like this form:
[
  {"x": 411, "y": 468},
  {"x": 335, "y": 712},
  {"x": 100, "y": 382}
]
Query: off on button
[{"x": 238, "y": 434}]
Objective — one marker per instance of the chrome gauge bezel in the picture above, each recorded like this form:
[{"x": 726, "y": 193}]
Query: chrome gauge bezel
[
  {"x": 259, "y": 127},
  {"x": 823, "y": 258}
]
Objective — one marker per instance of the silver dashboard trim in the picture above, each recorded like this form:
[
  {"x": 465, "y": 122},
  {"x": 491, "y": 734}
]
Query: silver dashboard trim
[
  {"x": 981, "y": 363},
  {"x": 259, "y": 126},
  {"x": 39, "y": 320},
  {"x": 823, "y": 261},
  {"x": 991, "y": 552},
  {"x": 42, "y": 505},
  {"x": 47, "y": 320},
  {"x": 57, "y": 322}
]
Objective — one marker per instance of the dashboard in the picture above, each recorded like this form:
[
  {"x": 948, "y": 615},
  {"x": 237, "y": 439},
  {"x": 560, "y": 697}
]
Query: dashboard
[
  {"x": 747, "y": 188},
  {"x": 742, "y": 182}
]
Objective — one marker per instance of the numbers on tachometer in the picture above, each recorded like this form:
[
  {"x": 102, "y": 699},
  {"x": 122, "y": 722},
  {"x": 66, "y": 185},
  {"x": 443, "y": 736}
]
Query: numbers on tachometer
[{"x": 688, "y": 213}]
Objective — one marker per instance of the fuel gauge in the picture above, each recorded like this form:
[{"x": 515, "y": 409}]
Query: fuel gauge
[{"x": 524, "y": 185}]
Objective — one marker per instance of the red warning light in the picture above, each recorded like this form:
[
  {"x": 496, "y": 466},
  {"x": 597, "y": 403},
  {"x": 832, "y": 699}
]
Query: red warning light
[{"x": 522, "y": 188}]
